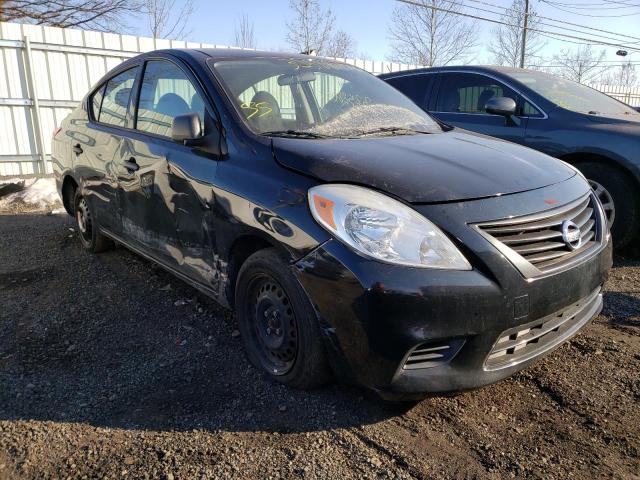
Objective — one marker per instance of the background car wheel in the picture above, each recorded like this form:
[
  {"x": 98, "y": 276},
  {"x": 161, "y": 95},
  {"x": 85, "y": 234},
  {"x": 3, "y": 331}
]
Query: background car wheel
[
  {"x": 618, "y": 194},
  {"x": 88, "y": 230},
  {"x": 279, "y": 326}
]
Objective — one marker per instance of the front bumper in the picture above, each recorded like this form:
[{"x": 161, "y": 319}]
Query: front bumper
[{"x": 375, "y": 315}]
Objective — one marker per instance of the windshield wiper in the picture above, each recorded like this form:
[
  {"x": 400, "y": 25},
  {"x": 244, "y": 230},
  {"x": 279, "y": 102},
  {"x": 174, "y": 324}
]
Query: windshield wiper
[
  {"x": 294, "y": 133},
  {"x": 392, "y": 130}
]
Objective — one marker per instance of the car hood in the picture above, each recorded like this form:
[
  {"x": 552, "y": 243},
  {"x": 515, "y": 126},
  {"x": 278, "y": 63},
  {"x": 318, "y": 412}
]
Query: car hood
[
  {"x": 631, "y": 120},
  {"x": 425, "y": 168}
]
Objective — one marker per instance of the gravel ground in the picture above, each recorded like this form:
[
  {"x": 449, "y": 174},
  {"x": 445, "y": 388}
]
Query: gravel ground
[{"x": 110, "y": 367}]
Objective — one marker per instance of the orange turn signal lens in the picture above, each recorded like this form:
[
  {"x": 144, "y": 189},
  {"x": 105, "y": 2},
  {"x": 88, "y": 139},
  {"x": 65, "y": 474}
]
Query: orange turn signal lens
[{"x": 324, "y": 209}]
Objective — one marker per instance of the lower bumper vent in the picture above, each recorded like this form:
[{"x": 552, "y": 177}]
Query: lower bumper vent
[
  {"x": 525, "y": 342},
  {"x": 428, "y": 355}
]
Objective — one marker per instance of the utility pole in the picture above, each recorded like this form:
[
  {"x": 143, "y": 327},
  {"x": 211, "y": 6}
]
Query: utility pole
[{"x": 524, "y": 32}]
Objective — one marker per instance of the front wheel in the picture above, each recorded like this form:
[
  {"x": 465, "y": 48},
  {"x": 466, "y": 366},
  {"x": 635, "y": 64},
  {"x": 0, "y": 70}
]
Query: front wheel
[
  {"x": 279, "y": 326},
  {"x": 618, "y": 194},
  {"x": 88, "y": 230}
]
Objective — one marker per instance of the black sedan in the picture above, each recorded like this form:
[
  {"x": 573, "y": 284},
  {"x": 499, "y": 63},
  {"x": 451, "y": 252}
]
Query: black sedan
[
  {"x": 590, "y": 130},
  {"x": 352, "y": 234}
]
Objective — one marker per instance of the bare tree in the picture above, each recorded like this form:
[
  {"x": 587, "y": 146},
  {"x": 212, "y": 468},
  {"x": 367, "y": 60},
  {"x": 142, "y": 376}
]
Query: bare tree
[
  {"x": 311, "y": 27},
  {"x": 341, "y": 45},
  {"x": 506, "y": 41},
  {"x": 581, "y": 65},
  {"x": 624, "y": 75},
  {"x": 244, "y": 33},
  {"x": 430, "y": 33},
  {"x": 103, "y": 15},
  {"x": 165, "y": 20}
]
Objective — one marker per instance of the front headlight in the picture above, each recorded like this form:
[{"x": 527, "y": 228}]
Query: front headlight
[{"x": 383, "y": 228}]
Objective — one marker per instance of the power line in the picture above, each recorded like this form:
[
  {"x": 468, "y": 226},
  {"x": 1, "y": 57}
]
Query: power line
[
  {"x": 506, "y": 10},
  {"x": 590, "y": 15},
  {"x": 594, "y": 6},
  {"x": 563, "y": 22},
  {"x": 468, "y": 15}
]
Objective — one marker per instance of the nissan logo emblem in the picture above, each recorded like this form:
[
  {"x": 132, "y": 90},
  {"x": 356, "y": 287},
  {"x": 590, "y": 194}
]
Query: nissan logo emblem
[{"x": 571, "y": 235}]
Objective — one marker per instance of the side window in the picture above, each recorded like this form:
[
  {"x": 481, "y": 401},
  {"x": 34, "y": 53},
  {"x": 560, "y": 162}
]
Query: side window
[
  {"x": 96, "y": 102},
  {"x": 413, "y": 86},
  {"x": 116, "y": 98},
  {"x": 469, "y": 92},
  {"x": 166, "y": 93}
]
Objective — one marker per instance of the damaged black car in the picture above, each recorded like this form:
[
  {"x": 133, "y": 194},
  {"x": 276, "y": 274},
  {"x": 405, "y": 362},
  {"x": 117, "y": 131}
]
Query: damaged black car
[{"x": 356, "y": 237}]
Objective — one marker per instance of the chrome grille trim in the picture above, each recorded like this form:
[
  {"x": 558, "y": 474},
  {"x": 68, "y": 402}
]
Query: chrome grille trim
[
  {"x": 534, "y": 243},
  {"x": 520, "y": 344}
]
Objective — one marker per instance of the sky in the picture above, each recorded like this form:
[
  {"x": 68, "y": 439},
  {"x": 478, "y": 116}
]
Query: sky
[{"x": 367, "y": 22}]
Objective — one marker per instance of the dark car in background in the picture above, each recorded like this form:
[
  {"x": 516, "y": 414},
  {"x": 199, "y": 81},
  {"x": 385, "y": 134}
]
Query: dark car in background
[
  {"x": 349, "y": 231},
  {"x": 588, "y": 129}
]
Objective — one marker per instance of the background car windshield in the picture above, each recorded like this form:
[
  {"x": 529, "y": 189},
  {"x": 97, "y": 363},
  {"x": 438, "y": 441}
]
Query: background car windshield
[
  {"x": 317, "y": 97},
  {"x": 571, "y": 95}
]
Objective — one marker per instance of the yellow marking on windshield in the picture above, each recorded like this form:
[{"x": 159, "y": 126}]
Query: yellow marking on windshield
[{"x": 261, "y": 109}]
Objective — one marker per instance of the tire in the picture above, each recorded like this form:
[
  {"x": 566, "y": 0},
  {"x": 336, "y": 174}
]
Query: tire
[
  {"x": 88, "y": 229},
  {"x": 278, "y": 324},
  {"x": 613, "y": 185}
]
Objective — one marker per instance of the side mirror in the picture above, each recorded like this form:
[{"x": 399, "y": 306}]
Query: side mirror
[
  {"x": 186, "y": 128},
  {"x": 504, "y": 106}
]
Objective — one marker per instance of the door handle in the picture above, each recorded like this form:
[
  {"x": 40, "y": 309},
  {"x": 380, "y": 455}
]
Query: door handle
[
  {"x": 77, "y": 149},
  {"x": 131, "y": 165}
]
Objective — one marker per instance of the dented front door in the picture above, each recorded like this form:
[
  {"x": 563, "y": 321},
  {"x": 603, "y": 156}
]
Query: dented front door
[{"x": 166, "y": 204}]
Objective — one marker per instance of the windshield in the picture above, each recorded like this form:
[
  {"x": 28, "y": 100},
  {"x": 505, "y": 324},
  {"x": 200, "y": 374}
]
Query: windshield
[
  {"x": 317, "y": 98},
  {"x": 571, "y": 95}
]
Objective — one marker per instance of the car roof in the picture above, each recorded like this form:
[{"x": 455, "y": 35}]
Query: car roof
[
  {"x": 465, "y": 68},
  {"x": 226, "y": 53},
  {"x": 233, "y": 53}
]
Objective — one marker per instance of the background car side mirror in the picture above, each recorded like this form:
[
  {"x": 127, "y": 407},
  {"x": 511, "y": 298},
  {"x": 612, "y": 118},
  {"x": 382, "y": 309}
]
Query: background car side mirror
[
  {"x": 504, "y": 106},
  {"x": 186, "y": 128}
]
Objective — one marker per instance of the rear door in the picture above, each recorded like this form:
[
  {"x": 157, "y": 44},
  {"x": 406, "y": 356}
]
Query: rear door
[
  {"x": 96, "y": 144},
  {"x": 460, "y": 101},
  {"x": 166, "y": 190}
]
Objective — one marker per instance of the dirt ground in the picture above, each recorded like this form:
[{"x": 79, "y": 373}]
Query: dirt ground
[{"x": 111, "y": 368}]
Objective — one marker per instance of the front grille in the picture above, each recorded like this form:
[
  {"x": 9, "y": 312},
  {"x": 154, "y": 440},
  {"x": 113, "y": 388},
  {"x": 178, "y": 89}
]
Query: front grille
[
  {"x": 524, "y": 342},
  {"x": 538, "y": 238},
  {"x": 428, "y": 355}
]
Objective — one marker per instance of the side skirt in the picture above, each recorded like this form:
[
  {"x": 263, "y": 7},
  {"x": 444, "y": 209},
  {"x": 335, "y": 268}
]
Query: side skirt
[{"x": 208, "y": 291}]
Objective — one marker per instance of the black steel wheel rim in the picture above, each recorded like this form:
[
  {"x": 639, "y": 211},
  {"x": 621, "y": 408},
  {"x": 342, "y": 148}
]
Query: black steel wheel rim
[
  {"x": 606, "y": 200},
  {"x": 274, "y": 329},
  {"x": 83, "y": 217}
]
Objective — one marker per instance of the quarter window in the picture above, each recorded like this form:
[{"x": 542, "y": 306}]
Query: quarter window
[
  {"x": 469, "y": 93},
  {"x": 116, "y": 98},
  {"x": 96, "y": 102},
  {"x": 166, "y": 93},
  {"x": 529, "y": 110}
]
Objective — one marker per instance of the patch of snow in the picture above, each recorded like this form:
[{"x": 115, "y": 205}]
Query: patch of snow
[{"x": 38, "y": 195}]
